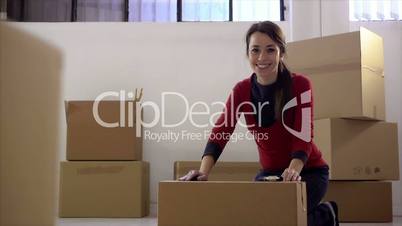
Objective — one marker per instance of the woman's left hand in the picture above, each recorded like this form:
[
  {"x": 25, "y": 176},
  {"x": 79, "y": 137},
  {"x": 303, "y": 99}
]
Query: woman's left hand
[{"x": 291, "y": 175}]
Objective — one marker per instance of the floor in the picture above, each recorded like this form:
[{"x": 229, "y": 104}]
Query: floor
[{"x": 151, "y": 220}]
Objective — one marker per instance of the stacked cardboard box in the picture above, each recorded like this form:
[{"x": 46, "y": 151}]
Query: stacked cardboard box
[
  {"x": 346, "y": 72},
  {"x": 105, "y": 175},
  {"x": 362, "y": 201}
]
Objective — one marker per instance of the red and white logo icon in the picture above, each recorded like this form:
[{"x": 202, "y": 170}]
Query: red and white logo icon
[{"x": 305, "y": 132}]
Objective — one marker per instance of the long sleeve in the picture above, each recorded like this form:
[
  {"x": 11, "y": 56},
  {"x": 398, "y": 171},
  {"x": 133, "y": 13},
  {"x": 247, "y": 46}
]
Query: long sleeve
[{"x": 225, "y": 125}]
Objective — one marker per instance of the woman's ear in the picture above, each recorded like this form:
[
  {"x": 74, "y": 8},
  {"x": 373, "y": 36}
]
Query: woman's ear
[{"x": 281, "y": 55}]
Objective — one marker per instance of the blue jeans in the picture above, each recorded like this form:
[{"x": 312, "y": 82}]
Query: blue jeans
[{"x": 316, "y": 184}]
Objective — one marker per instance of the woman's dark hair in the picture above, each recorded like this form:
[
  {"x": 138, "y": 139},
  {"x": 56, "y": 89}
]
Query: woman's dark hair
[{"x": 283, "y": 92}]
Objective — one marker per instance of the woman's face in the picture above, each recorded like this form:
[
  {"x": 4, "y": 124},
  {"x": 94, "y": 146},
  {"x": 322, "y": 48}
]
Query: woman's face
[{"x": 264, "y": 56}]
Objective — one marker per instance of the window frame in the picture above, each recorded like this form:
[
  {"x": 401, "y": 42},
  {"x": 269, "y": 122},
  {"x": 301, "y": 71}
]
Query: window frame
[
  {"x": 180, "y": 11},
  {"x": 74, "y": 5}
]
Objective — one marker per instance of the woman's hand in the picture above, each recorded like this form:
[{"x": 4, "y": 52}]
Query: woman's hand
[
  {"x": 194, "y": 175},
  {"x": 291, "y": 175},
  {"x": 207, "y": 163}
]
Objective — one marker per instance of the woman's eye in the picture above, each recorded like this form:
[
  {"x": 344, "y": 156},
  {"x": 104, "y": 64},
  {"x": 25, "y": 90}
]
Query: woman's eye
[
  {"x": 271, "y": 50},
  {"x": 254, "y": 50}
]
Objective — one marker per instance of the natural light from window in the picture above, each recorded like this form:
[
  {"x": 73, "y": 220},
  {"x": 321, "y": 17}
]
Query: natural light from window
[
  {"x": 259, "y": 10},
  {"x": 243, "y": 10},
  {"x": 375, "y": 10}
]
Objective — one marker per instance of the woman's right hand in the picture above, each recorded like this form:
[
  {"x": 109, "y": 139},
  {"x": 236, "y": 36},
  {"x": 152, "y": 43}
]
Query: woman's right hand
[{"x": 194, "y": 175}]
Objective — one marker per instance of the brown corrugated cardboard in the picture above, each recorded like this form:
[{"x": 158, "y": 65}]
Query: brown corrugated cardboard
[
  {"x": 231, "y": 203},
  {"x": 346, "y": 72},
  {"x": 222, "y": 171},
  {"x": 358, "y": 149},
  {"x": 104, "y": 189},
  {"x": 31, "y": 75},
  {"x": 88, "y": 140},
  {"x": 362, "y": 201}
]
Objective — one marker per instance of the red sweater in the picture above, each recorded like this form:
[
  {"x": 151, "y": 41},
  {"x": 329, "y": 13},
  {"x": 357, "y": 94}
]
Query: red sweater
[{"x": 277, "y": 151}]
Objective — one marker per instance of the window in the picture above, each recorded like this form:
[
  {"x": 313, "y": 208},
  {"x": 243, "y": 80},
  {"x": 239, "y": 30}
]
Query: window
[
  {"x": 145, "y": 10},
  {"x": 363, "y": 10},
  {"x": 248, "y": 10},
  {"x": 39, "y": 10},
  {"x": 153, "y": 10},
  {"x": 230, "y": 10},
  {"x": 100, "y": 10},
  {"x": 205, "y": 10}
]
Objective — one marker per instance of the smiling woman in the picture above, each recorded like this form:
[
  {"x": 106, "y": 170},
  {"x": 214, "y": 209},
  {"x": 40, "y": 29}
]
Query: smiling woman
[
  {"x": 264, "y": 56},
  {"x": 284, "y": 154}
]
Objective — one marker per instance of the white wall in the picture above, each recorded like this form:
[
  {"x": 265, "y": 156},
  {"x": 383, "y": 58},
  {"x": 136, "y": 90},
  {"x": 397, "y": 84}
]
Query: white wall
[{"x": 304, "y": 19}]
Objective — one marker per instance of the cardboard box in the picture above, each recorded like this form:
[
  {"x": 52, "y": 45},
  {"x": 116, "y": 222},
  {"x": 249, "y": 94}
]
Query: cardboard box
[
  {"x": 31, "y": 84},
  {"x": 231, "y": 203},
  {"x": 362, "y": 201},
  {"x": 104, "y": 189},
  {"x": 358, "y": 149},
  {"x": 346, "y": 72},
  {"x": 222, "y": 171},
  {"x": 89, "y": 140}
]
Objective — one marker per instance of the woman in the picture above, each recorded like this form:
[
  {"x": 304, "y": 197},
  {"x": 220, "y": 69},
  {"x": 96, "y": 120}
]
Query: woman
[{"x": 266, "y": 99}]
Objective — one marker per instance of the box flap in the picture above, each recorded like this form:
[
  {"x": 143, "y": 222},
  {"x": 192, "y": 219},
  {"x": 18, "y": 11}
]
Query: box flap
[
  {"x": 66, "y": 102},
  {"x": 372, "y": 51}
]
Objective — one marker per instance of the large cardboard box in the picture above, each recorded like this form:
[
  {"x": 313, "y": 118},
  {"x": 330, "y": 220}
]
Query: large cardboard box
[
  {"x": 222, "y": 171},
  {"x": 89, "y": 140},
  {"x": 216, "y": 203},
  {"x": 31, "y": 75},
  {"x": 104, "y": 189},
  {"x": 358, "y": 149},
  {"x": 346, "y": 72},
  {"x": 362, "y": 201}
]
